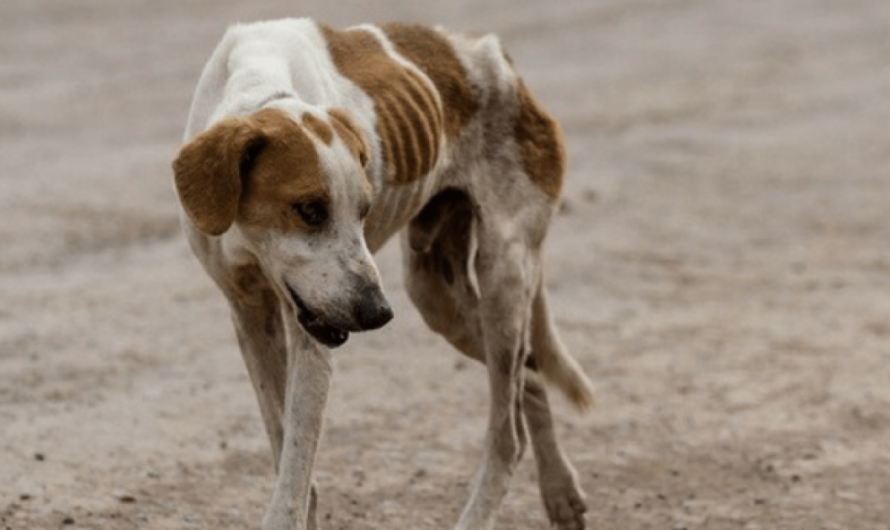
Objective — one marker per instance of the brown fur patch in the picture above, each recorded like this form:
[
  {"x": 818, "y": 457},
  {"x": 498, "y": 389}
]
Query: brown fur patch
[
  {"x": 350, "y": 133},
  {"x": 320, "y": 129},
  {"x": 433, "y": 54},
  {"x": 285, "y": 172},
  {"x": 540, "y": 144},
  {"x": 409, "y": 122},
  {"x": 207, "y": 172}
]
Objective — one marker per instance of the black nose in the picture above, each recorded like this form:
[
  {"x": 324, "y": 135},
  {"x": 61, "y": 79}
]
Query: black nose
[{"x": 372, "y": 311}]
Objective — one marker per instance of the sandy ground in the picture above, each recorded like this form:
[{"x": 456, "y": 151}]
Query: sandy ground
[{"x": 721, "y": 269}]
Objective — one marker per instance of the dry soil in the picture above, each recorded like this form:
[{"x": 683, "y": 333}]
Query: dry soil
[{"x": 720, "y": 267}]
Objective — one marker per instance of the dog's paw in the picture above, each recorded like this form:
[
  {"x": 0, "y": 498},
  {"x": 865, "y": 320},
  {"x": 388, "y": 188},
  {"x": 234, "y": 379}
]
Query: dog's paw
[{"x": 565, "y": 508}]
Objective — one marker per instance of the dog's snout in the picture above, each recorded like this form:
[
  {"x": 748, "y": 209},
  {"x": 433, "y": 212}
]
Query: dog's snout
[{"x": 372, "y": 310}]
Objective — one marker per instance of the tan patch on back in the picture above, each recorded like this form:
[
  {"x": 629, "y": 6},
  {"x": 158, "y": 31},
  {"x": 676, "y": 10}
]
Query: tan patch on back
[
  {"x": 434, "y": 55},
  {"x": 320, "y": 129},
  {"x": 286, "y": 171},
  {"x": 409, "y": 120},
  {"x": 539, "y": 139}
]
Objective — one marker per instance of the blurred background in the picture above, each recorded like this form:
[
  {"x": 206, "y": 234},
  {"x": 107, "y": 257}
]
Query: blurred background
[{"x": 720, "y": 267}]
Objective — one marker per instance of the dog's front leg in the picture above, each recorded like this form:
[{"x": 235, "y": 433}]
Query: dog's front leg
[{"x": 308, "y": 382}]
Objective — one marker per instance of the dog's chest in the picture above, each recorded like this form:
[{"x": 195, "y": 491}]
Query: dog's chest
[{"x": 394, "y": 207}]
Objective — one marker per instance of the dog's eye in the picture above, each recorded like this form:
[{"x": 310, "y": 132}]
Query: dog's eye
[{"x": 313, "y": 213}]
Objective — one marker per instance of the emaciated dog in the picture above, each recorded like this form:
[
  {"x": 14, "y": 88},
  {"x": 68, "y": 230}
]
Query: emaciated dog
[{"x": 306, "y": 149}]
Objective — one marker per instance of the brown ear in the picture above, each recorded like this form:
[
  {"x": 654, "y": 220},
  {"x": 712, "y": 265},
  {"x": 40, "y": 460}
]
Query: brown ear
[
  {"x": 208, "y": 173},
  {"x": 350, "y": 133}
]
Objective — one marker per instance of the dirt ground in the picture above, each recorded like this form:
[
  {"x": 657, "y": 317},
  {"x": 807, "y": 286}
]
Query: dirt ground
[{"x": 721, "y": 269}]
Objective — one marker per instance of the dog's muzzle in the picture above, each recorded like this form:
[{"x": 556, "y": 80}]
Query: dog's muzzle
[{"x": 372, "y": 311}]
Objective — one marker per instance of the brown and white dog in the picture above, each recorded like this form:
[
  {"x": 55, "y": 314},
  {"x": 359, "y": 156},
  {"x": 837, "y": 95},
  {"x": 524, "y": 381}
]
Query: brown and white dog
[{"x": 306, "y": 149}]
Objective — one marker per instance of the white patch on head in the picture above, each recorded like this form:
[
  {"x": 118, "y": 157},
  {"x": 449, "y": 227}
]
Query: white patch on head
[{"x": 348, "y": 192}]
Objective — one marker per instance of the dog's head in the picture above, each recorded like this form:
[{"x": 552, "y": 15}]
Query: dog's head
[{"x": 294, "y": 194}]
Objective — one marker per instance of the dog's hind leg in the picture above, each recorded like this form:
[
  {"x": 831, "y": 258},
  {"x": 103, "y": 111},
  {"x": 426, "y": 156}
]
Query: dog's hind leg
[
  {"x": 437, "y": 251},
  {"x": 439, "y": 266},
  {"x": 562, "y": 496},
  {"x": 487, "y": 319},
  {"x": 507, "y": 271},
  {"x": 438, "y": 259}
]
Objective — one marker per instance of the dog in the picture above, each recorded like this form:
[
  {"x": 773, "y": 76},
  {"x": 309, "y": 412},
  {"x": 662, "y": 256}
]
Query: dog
[{"x": 306, "y": 149}]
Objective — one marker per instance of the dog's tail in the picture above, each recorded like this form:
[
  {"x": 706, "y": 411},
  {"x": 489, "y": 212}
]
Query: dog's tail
[{"x": 551, "y": 358}]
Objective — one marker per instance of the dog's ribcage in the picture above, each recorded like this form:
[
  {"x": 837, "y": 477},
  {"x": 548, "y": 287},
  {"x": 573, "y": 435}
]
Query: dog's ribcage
[{"x": 422, "y": 101}]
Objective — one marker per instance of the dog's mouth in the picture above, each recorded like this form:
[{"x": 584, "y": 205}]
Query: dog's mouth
[{"x": 314, "y": 325}]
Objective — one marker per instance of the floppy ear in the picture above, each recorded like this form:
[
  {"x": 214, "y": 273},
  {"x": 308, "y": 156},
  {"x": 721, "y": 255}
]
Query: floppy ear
[
  {"x": 350, "y": 133},
  {"x": 208, "y": 172}
]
